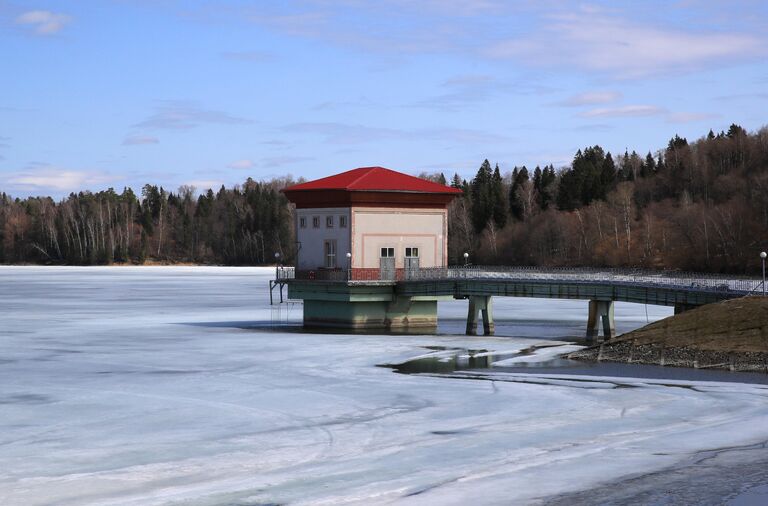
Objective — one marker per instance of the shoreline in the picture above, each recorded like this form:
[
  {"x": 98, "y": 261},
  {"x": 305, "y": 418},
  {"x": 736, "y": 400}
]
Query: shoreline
[{"x": 729, "y": 335}]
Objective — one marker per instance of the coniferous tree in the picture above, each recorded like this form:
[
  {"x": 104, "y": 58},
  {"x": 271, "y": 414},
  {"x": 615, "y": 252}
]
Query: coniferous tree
[
  {"x": 482, "y": 196},
  {"x": 499, "y": 199},
  {"x": 517, "y": 204},
  {"x": 607, "y": 177},
  {"x": 546, "y": 191},
  {"x": 536, "y": 179},
  {"x": 648, "y": 168}
]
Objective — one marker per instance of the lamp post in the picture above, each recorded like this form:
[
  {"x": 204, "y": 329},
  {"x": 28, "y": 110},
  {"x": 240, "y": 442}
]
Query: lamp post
[
  {"x": 277, "y": 265},
  {"x": 763, "y": 254},
  {"x": 349, "y": 266},
  {"x": 466, "y": 258}
]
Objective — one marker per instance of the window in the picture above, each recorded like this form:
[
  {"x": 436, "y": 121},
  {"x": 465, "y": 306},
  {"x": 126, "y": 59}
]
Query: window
[
  {"x": 330, "y": 254},
  {"x": 303, "y": 222},
  {"x": 343, "y": 221},
  {"x": 387, "y": 252},
  {"x": 411, "y": 252},
  {"x": 329, "y": 222},
  {"x": 315, "y": 222}
]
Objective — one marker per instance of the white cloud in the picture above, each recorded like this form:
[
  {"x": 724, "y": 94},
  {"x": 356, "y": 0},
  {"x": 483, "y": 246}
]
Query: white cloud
[
  {"x": 184, "y": 114},
  {"x": 43, "y": 22},
  {"x": 591, "y": 98},
  {"x": 623, "y": 111},
  {"x": 242, "y": 164},
  {"x": 203, "y": 185},
  {"x": 595, "y": 41},
  {"x": 137, "y": 140},
  {"x": 51, "y": 179}
]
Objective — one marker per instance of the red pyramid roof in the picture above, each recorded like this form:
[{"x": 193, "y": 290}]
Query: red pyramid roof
[{"x": 373, "y": 179}]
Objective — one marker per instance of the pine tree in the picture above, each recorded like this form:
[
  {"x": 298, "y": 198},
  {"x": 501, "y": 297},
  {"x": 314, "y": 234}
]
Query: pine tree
[
  {"x": 481, "y": 191},
  {"x": 648, "y": 168},
  {"x": 516, "y": 203},
  {"x": 546, "y": 190},
  {"x": 537, "y": 179},
  {"x": 607, "y": 177},
  {"x": 498, "y": 201}
]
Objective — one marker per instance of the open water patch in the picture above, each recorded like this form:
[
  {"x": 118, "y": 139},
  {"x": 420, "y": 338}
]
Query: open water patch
[{"x": 445, "y": 360}]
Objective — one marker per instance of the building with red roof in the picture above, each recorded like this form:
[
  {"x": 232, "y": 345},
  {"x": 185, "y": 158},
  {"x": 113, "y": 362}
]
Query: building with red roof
[
  {"x": 357, "y": 234},
  {"x": 371, "y": 223}
]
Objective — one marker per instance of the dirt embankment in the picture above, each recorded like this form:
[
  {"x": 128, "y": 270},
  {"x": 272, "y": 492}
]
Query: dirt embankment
[{"x": 727, "y": 335}]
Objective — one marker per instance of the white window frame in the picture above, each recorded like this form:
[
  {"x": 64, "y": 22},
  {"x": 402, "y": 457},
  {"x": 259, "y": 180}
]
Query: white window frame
[
  {"x": 315, "y": 222},
  {"x": 387, "y": 252},
  {"x": 302, "y": 222},
  {"x": 329, "y": 221},
  {"x": 342, "y": 221}
]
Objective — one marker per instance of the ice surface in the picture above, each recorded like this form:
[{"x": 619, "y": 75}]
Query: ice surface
[{"x": 167, "y": 385}]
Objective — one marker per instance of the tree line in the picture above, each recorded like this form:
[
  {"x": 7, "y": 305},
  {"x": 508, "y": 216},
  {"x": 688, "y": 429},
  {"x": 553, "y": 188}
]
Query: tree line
[
  {"x": 700, "y": 205},
  {"x": 244, "y": 225}
]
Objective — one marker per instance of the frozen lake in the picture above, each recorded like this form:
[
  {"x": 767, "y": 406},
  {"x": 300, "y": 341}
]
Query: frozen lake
[{"x": 166, "y": 385}]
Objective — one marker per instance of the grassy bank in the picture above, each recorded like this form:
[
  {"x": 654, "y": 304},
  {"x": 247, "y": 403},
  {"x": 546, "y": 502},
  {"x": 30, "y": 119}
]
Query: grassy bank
[{"x": 728, "y": 335}]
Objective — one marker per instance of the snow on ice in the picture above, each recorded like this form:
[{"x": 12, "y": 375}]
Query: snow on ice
[{"x": 162, "y": 385}]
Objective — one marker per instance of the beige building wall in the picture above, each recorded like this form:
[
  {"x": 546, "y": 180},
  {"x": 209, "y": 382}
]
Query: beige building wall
[{"x": 399, "y": 228}]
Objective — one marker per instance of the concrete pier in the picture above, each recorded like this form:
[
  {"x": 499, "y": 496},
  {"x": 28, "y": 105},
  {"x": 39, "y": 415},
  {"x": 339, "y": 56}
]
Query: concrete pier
[
  {"x": 682, "y": 308},
  {"x": 480, "y": 304},
  {"x": 601, "y": 318},
  {"x": 364, "y": 307}
]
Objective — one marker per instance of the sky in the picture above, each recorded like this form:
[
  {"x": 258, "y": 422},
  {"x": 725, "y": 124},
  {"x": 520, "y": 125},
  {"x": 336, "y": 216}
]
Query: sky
[{"x": 114, "y": 93}]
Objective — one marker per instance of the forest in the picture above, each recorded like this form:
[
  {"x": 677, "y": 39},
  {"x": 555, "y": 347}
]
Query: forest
[{"x": 697, "y": 206}]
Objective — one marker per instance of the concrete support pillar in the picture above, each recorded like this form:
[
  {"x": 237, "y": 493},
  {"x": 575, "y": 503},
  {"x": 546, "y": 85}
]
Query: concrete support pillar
[
  {"x": 477, "y": 305},
  {"x": 682, "y": 308},
  {"x": 601, "y": 317}
]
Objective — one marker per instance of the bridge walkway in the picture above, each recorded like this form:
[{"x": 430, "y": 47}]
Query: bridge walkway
[{"x": 601, "y": 287}]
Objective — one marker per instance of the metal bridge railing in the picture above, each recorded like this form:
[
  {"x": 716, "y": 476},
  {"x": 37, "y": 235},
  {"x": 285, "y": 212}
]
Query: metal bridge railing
[
  {"x": 634, "y": 277},
  {"x": 284, "y": 273}
]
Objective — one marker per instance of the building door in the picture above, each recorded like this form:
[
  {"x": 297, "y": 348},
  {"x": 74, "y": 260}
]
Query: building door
[
  {"x": 387, "y": 264},
  {"x": 330, "y": 254},
  {"x": 411, "y": 262}
]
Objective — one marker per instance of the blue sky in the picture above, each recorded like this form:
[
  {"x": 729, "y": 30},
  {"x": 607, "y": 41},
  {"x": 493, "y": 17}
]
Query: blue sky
[{"x": 99, "y": 93}]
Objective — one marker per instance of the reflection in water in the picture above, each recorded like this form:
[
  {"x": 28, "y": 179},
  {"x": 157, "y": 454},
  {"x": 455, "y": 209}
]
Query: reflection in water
[
  {"x": 449, "y": 360},
  {"x": 457, "y": 359}
]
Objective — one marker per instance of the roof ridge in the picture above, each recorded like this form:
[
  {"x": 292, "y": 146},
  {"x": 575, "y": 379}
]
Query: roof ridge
[{"x": 365, "y": 175}]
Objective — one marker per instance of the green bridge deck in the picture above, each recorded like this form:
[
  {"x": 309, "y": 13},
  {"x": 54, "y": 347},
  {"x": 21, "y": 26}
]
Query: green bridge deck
[{"x": 411, "y": 304}]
